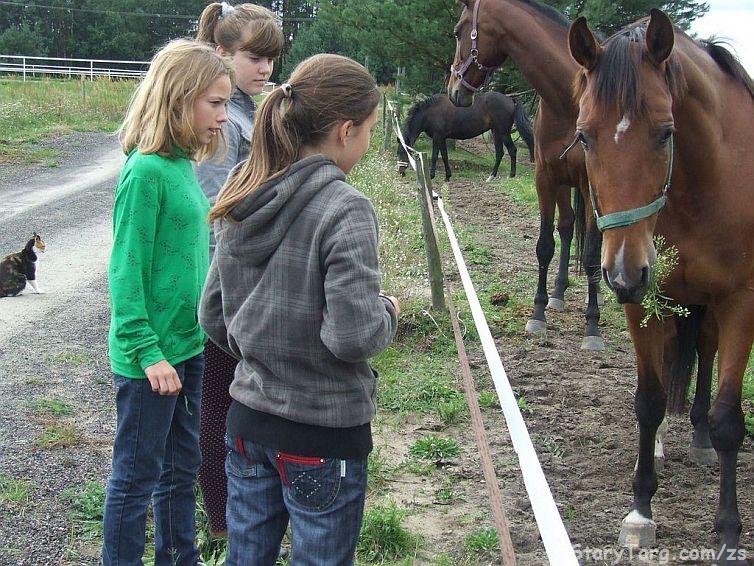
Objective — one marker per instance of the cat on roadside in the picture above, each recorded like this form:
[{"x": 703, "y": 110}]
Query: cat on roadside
[{"x": 20, "y": 268}]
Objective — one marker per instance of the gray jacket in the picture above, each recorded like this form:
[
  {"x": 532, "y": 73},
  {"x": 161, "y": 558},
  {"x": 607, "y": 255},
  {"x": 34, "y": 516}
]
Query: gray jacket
[
  {"x": 238, "y": 130},
  {"x": 293, "y": 292}
]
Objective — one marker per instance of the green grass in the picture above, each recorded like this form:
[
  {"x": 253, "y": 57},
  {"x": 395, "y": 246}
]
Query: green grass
[
  {"x": 57, "y": 434},
  {"x": 86, "y": 504},
  {"x": 383, "y": 536},
  {"x": 32, "y": 111},
  {"x": 52, "y": 406},
  {"x": 14, "y": 491},
  {"x": 435, "y": 448}
]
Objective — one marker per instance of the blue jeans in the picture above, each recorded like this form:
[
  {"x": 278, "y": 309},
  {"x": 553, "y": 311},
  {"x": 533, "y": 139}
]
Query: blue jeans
[
  {"x": 322, "y": 497},
  {"x": 155, "y": 456}
]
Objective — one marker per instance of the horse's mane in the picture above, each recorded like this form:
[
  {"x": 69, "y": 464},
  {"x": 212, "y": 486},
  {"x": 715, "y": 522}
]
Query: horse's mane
[
  {"x": 728, "y": 62},
  {"x": 548, "y": 11},
  {"x": 618, "y": 77},
  {"x": 417, "y": 109}
]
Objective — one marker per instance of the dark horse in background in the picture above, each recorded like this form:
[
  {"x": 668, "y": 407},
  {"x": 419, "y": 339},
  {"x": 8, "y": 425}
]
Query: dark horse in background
[
  {"x": 535, "y": 37},
  {"x": 667, "y": 127},
  {"x": 439, "y": 119}
]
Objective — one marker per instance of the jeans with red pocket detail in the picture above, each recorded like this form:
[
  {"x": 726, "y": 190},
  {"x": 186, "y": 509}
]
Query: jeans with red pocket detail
[{"x": 323, "y": 498}]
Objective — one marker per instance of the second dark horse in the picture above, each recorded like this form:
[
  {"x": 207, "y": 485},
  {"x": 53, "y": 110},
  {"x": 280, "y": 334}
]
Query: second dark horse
[{"x": 440, "y": 119}]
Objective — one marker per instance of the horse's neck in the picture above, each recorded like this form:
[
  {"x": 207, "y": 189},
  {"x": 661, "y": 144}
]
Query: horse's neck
[{"x": 538, "y": 46}]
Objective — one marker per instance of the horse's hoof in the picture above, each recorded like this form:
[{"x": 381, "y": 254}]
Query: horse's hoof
[
  {"x": 490, "y": 178},
  {"x": 637, "y": 531},
  {"x": 593, "y": 343},
  {"x": 702, "y": 456},
  {"x": 534, "y": 326},
  {"x": 556, "y": 304}
]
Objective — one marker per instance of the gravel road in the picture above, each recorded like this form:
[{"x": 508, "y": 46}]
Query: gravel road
[{"x": 53, "y": 348}]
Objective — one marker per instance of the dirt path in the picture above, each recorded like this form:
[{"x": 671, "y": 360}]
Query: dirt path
[{"x": 53, "y": 347}]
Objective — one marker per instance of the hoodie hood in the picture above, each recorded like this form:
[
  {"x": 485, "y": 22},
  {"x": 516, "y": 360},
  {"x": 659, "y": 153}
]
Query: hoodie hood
[{"x": 260, "y": 221}]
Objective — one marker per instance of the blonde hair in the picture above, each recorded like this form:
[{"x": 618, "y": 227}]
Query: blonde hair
[
  {"x": 322, "y": 90},
  {"x": 159, "y": 115},
  {"x": 245, "y": 27}
]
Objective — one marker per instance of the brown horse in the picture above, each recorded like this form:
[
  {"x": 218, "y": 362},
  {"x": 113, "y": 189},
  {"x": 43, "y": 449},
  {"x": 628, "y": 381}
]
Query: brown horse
[
  {"x": 667, "y": 126},
  {"x": 535, "y": 37}
]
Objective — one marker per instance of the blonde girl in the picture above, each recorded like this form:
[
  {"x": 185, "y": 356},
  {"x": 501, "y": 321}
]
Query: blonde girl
[{"x": 158, "y": 265}]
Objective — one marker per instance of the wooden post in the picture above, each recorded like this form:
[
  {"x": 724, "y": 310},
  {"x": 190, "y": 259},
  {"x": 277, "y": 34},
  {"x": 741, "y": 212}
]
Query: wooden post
[
  {"x": 387, "y": 125},
  {"x": 431, "y": 246}
]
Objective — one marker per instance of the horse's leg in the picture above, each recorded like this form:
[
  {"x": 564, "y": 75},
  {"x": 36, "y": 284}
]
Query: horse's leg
[
  {"x": 638, "y": 529},
  {"x": 499, "y": 151},
  {"x": 736, "y": 329},
  {"x": 433, "y": 163},
  {"x": 566, "y": 219},
  {"x": 444, "y": 153},
  {"x": 592, "y": 340},
  {"x": 512, "y": 152},
  {"x": 546, "y": 194},
  {"x": 701, "y": 451}
]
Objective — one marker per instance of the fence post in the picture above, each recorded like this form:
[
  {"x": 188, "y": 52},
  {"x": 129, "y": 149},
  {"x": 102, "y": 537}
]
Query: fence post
[
  {"x": 434, "y": 263},
  {"x": 387, "y": 124}
]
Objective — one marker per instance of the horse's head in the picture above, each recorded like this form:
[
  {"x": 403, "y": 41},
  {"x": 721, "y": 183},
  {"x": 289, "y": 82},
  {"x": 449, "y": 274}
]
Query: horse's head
[
  {"x": 625, "y": 92},
  {"x": 477, "y": 54}
]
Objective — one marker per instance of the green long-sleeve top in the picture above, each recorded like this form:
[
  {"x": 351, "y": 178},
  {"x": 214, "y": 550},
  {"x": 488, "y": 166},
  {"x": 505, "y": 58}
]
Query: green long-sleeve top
[{"x": 158, "y": 263}]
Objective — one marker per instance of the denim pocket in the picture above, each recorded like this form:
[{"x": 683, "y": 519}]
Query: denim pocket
[
  {"x": 313, "y": 482},
  {"x": 238, "y": 462}
]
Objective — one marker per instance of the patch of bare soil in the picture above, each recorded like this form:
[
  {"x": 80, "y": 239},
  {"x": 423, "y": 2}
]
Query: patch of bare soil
[{"x": 580, "y": 417}]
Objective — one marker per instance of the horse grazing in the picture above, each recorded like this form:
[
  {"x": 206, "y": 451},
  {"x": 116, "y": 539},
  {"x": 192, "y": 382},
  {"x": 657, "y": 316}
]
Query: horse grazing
[
  {"x": 667, "y": 125},
  {"x": 440, "y": 120},
  {"x": 535, "y": 37}
]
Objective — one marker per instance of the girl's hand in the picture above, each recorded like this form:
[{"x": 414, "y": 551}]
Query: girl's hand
[
  {"x": 163, "y": 378},
  {"x": 395, "y": 303}
]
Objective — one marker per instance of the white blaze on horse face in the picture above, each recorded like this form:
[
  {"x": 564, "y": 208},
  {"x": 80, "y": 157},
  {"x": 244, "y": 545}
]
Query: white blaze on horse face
[
  {"x": 621, "y": 127},
  {"x": 618, "y": 265}
]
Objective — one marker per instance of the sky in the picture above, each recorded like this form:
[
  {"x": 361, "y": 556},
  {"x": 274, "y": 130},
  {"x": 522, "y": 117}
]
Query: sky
[{"x": 732, "y": 20}]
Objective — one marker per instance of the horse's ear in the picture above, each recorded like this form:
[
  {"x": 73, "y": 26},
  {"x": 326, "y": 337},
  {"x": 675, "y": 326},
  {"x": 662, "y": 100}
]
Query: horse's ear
[
  {"x": 660, "y": 36},
  {"x": 584, "y": 47}
]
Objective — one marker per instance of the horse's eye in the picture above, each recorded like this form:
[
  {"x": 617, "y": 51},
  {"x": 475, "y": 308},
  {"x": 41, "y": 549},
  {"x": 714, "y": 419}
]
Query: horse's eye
[
  {"x": 666, "y": 135},
  {"x": 582, "y": 139}
]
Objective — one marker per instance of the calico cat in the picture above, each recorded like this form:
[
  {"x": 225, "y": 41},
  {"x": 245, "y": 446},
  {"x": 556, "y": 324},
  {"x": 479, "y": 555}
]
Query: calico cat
[{"x": 20, "y": 268}]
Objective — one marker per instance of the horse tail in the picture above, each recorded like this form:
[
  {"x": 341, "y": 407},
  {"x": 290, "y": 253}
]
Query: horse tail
[
  {"x": 683, "y": 357},
  {"x": 524, "y": 127}
]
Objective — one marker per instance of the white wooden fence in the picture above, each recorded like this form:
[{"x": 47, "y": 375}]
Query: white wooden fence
[{"x": 36, "y": 67}]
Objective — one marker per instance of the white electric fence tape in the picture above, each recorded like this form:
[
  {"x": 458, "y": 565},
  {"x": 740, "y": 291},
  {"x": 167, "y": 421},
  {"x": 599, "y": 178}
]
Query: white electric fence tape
[
  {"x": 554, "y": 536},
  {"x": 556, "y": 541}
]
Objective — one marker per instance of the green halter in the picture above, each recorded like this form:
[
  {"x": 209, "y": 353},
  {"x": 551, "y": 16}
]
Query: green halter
[{"x": 628, "y": 217}]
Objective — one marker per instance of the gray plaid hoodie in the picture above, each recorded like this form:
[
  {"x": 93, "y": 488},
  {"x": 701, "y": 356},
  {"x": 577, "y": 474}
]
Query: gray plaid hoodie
[{"x": 293, "y": 292}]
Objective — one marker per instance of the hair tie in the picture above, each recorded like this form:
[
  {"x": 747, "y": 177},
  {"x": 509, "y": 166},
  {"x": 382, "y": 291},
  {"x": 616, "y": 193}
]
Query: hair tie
[
  {"x": 287, "y": 90},
  {"x": 226, "y": 9}
]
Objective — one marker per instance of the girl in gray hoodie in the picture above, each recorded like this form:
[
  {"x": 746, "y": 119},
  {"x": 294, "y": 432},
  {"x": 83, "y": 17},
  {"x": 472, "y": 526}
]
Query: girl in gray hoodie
[{"x": 294, "y": 294}]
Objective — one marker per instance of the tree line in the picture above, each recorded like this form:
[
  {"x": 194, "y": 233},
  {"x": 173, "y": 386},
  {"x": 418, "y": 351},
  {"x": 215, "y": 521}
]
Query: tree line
[{"x": 413, "y": 36}]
